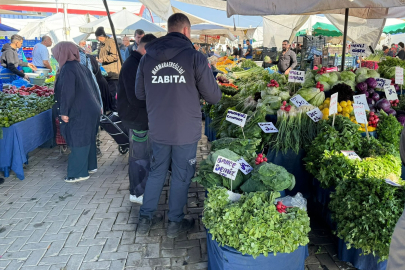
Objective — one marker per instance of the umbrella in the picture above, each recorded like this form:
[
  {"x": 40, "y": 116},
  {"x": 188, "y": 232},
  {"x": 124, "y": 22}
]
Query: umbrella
[
  {"x": 211, "y": 30},
  {"x": 6, "y": 30}
]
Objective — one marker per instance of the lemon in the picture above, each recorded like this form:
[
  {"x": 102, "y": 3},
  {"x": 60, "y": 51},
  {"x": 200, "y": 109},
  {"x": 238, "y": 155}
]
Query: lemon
[
  {"x": 343, "y": 104},
  {"x": 350, "y": 108},
  {"x": 321, "y": 107},
  {"x": 346, "y": 115},
  {"x": 345, "y": 110},
  {"x": 339, "y": 108},
  {"x": 327, "y": 102},
  {"x": 326, "y": 111},
  {"x": 349, "y": 103}
]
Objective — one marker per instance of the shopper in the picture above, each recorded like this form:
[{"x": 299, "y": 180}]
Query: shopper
[
  {"x": 102, "y": 84},
  {"x": 83, "y": 45},
  {"x": 132, "y": 112},
  {"x": 108, "y": 57},
  {"x": 249, "y": 51},
  {"x": 172, "y": 77},
  {"x": 240, "y": 51},
  {"x": 139, "y": 33},
  {"x": 235, "y": 52},
  {"x": 387, "y": 51},
  {"x": 401, "y": 52},
  {"x": 228, "y": 50},
  {"x": 287, "y": 59},
  {"x": 79, "y": 111},
  {"x": 394, "y": 49},
  {"x": 10, "y": 61},
  {"x": 40, "y": 53},
  {"x": 125, "y": 42},
  {"x": 396, "y": 258}
]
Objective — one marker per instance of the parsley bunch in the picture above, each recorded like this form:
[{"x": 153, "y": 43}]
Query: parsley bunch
[{"x": 389, "y": 129}]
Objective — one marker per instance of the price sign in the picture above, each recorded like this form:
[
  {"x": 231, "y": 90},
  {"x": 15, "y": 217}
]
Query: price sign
[
  {"x": 296, "y": 76},
  {"x": 381, "y": 83},
  {"x": 236, "y": 117},
  {"x": 399, "y": 75},
  {"x": 298, "y": 101},
  {"x": 361, "y": 99},
  {"x": 392, "y": 183},
  {"x": 226, "y": 167},
  {"x": 360, "y": 113},
  {"x": 244, "y": 166},
  {"x": 358, "y": 49},
  {"x": 315, "y": 114},
  {"x": 391, "y": 93},
  {"x": 333, "y": 109},
  {"x": 268, "y": 127},
  {"x": 351, "y": 154}
]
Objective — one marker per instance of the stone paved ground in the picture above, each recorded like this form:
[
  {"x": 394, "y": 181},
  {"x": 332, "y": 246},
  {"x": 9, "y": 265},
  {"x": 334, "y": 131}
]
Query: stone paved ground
[{"x": 46, "y": 223}]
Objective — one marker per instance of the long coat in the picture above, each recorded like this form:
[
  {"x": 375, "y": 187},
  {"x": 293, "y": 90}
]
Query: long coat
[{"x": 76, "y": 96}]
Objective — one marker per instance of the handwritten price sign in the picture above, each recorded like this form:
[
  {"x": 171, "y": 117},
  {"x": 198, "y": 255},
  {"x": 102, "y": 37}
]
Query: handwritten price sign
[
  {"x": 236, "y": 117},
  {"x": 391, "y": 93},
  {"x": 358, "y": 49},
  {"x": 361, "y": 99},
  {"x": 296, "y": 76},
  {"x": 298, "y": 101},
  {"x": 268, "y": 127},
  {"x": 226, "y": 167},
  {"x": 333, "y": 104},
  {"x": 351, "y": 154},
  {"x": 381, "y": 83},
  {"x": 315, "y": 114},
  {"x": 399, "y": 75},
  {"x": 244, "y": 166},
  {"x": 360, "y": 113}
]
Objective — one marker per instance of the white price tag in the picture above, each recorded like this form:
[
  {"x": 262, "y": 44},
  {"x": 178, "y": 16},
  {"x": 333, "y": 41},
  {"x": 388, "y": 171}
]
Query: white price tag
[
  {"x": 296, "y": 76},
  {"x": 361, "y": 99},
  {"x": 391, "y": 93},
  {"x": 358, "y": 49},
  {"x": 236, "y": 117},
  {"x": 399, "y": 75},
  {"x": 268, "y": 127},
  {"x": 298, "y": 101},
  {"x": 351, "y": 154},
  {"x": 333, "y": 108},
  {"x": 226, "y": 168},
  {"x": 360, "y": 113},
  {"x": 392, "y": 183},
  {"x": 315, "y": 114},
  {"x": 381, "y": 82},
  {"x": 244, "y": 166}
]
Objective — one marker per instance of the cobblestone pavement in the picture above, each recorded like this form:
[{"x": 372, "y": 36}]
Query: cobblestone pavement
[{"x": 46, "y": 223}]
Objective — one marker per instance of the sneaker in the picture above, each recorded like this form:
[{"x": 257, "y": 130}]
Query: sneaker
[
  {"x": 93, "y": 171},
  {"x": 134, "y": 199},
  {"x": 145, "y": 224},
  {"x": 174, "y": 229},
  {"x": 75, "y": 179}
]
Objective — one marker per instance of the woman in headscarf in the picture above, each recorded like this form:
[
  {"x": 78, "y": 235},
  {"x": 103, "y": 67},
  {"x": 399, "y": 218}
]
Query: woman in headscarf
[{"x": 79, "y": 109}]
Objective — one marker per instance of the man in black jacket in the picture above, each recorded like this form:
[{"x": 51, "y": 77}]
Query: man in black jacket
[
  {"x": 132, "y": 112},
  {"x": 172, "y": 77}
]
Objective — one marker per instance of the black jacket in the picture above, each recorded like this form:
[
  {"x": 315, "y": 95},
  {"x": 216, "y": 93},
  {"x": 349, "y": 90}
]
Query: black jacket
[
  {"x": 131, "y": 110},
  {"x": 9, "y": 59},
  {"x": 172, "y": 76},
  {"x": 240, "y": 52}
]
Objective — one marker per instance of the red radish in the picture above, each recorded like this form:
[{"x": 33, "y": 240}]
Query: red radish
[
  {"x": 265, "y": 159},
  {"x": 260, "y": 155}
]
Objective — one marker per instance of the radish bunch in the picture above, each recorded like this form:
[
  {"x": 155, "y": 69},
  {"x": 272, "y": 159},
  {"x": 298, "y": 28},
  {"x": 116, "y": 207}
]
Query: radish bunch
[
  {"x": 260, "y": 159},
  {"x": 320, "y": 86},
  {"x": 394, "y": 103},
  {"x": 322, "y": 70},
  {"x": 281, "y": 208},
  {"x": 273, "y": 83},
  {"x": 373, "y": 120},
  {"x": 285, "y": 107}
]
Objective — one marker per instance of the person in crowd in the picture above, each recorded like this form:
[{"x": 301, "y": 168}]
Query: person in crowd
[
  {"x": 139, "y": 33},
  {"x": 401, "y": 52},
  {"x": 40, "y": 53},
  {"x": 235, "y": 52},
  {"x": 249, "y": 51},
  {"x": 394, "y": 49},
  {"x": 387, "y": 51},
  {"x": 396, "y": 257},
  {"x": 109, "y": 59},
  {"x": 132, "y": 112},
  {"x": 9, "y": 58},
  {"x": 125, "y": 43},
  {"x": 122, "y": 49},
  {"x": 197, "y": 46},
  {"x": 213, "y": 61},
  {"x": 79, "y": 109},
  {"x": 228, "y": 50},
  {"x": 298, "y": 49},
  {"x": 240, "y": 51},
  {"x": 83, "y": 45},
  {"x": 172, "y": 77},
  {"x": 287, "y": 59}
]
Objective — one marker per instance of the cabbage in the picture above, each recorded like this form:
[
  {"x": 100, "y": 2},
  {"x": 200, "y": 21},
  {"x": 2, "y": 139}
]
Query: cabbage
[
  {"x": 308, "y": 93},
  {"x": 361, "y": 78},
  {"x": 362, "y": 87},
  {"x": 326, "y": 86},
  {"x": 347, "y": 76},
  {"x": 266, "y": 59},
  {"x": 284, "y": 95},
  {"x": 270, "y": 111},
  {"x": 361, "y": 71},
  {"x": 318, "y": 99},
  {"x": 309, "y": 82},
  {"x": 322, "y": 77},
  {"x": 371, "y": 83},
  {"x": 332, "y": 78},
  {"x": 401, "y": 119},
  {"x": 309, "y": 75},
  {"x": 274, "y": 91},
  {"x": 273, "y": 102},
  {"x": 373, "y": 73}
]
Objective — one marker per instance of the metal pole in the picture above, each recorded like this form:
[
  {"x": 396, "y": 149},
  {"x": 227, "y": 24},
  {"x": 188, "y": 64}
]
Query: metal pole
[
  {"x": 345, "y": 39},
  {"x": 112, "y": 29}
]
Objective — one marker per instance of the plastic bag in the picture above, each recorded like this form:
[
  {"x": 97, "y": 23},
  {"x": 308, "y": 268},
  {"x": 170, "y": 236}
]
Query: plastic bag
[{"x": 297, "y": 201}]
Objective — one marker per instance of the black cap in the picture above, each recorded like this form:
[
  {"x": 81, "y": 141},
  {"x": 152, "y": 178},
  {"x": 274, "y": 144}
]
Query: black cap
[{"x": 100, "y": 32}]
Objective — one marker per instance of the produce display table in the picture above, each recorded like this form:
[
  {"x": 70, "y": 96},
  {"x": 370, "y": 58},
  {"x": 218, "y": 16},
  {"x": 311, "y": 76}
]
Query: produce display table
[
  {"x": 227, "y": 258},
  {"x": 22, "y": 138}
]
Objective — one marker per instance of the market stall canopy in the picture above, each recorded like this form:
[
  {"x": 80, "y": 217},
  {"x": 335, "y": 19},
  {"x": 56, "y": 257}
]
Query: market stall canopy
[
  {"x": 125, "y": 22},
  {"x": 397, "y": 28},
  {"x": 211, "y": 30},
  {"x": 10, "y": 12},
  {"x": 322, "y": 29},
  {"x": 6, "y": 30}
]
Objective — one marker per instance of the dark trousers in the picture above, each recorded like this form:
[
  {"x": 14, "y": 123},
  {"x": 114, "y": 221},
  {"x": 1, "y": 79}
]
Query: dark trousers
[
  {"x": 113, "y": 88},
  {"x": 82, "y": 160},
  {"x": 183, "y": 162},
  {"x": 139, "y": 161},
  {"x": 396, "y": 259}
]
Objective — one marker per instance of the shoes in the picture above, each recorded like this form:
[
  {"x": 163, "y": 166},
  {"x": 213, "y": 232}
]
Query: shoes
[
  {"x": 76, "y": 179},
  {"x": 174, "y": 229},
  {"x": 93, "y": 171},
  {"x": 1, "y": 181},
  {"x": 145, "y": 224},
  {"x": 134, "y": 199}
]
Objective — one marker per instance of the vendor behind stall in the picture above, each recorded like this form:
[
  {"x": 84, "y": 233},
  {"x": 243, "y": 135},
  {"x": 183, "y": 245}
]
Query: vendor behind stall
[
  {"x": 40, "y": 53},
  {"x": 9, "y": 58},
  {"x": 287, "y": 59}
]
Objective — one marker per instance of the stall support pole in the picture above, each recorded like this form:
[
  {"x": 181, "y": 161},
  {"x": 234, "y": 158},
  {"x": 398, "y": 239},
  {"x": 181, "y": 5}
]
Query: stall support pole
[
  {"x": 342, "y": 68},
  {"x": 112, "y": 29}
]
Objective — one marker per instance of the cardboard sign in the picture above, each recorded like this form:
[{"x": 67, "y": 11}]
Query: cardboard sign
[
  {"x": 236, "y": 117},
  {"x": 360, "y": 113},
  {"x": 351, "y": 154},
  {"x": 296, "y": 76},
  {"x": 381, "y": 82},
  {"x": 361, "y": 99},
  {"x": 226, "y": 168},
  {"x": 268, "y": 127},
  {"x": 391, "y": 93},
  {"x": 244, "y": 166},
  {"x": 298, "y": 101},
  {"x": 399, "y": 75},
  {"x": 358, "y": 49},
  {"x": 392, "y": 183},
  {"x": 333, "y": 108},
  {"x": 315, "y": 114}
]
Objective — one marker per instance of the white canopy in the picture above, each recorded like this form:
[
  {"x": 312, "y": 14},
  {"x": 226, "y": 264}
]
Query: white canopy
[
  {"x": 211, "y": 30},
  {"x": 124, "y": 22}
]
